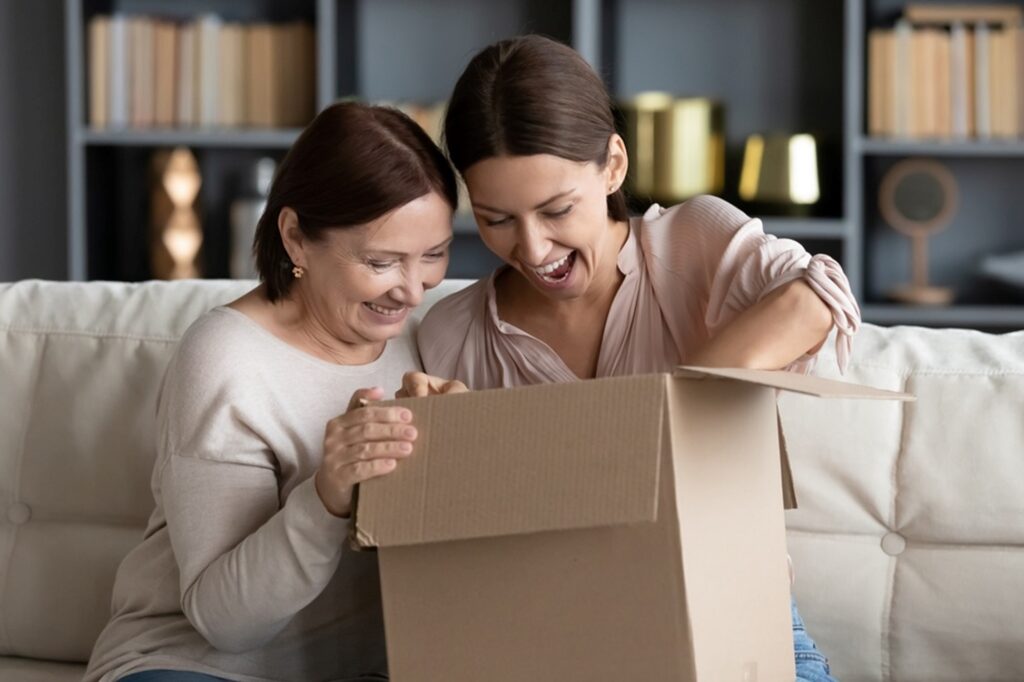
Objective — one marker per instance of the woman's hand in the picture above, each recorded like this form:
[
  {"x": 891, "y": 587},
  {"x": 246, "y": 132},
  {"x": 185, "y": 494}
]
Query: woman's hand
[
  {"x": 365, "y": 442},
  {"x": 418, "y": 385}
]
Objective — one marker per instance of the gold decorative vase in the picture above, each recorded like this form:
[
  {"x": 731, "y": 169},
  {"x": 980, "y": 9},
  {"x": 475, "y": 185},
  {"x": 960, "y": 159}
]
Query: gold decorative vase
[
  {"x": 676, "y": 146},
  {"x": 781, "y": 169}
]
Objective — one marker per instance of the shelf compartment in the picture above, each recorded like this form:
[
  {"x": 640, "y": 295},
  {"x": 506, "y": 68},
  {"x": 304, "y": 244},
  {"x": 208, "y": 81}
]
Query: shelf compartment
[
  {"x": 974, "y": 316},
  {"x": 873, "y": 146},
  {"x": 251, "y": 138}
]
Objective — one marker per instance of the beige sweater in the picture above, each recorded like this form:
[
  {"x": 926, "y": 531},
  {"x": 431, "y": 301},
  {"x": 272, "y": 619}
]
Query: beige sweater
[{"x": 242, "y": 573}]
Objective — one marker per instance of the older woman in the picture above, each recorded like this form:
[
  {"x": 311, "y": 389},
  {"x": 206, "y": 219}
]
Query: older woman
[
  {"x": 244, "y": 573},
  {"x": 588, "y": 291}
]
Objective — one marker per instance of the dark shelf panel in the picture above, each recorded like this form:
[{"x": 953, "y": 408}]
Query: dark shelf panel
[
  {"x": 988, "y": 316},
  {"x": 232, "y": 137},
  {"x": 982, "y": 148}
]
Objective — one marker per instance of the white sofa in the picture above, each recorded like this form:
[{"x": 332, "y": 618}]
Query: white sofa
[{"x": 908, "y": 544}]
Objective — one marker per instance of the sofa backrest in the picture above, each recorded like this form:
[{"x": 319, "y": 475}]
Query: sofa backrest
[
  {"x": 908, "y": 543},
  {"x": 80, "y": 367}
]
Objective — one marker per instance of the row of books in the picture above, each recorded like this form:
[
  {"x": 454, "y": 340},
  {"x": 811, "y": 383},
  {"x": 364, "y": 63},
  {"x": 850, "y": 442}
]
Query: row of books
[
  {"x": 928, "y": 79},
  {"x": 146, "y": 72}
]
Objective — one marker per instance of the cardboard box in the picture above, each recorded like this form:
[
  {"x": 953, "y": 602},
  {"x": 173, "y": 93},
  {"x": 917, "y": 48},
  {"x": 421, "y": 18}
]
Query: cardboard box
[{"x": 613, "y": 529}]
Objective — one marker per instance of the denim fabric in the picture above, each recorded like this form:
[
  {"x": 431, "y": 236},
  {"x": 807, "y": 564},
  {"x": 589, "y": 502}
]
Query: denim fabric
[
  {"x": 811, "y": 664},
  {"x": 170, "y": 676}
]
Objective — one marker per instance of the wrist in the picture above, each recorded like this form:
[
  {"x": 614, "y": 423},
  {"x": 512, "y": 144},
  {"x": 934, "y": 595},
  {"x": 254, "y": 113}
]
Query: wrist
[{"x": 340, "y": 508}]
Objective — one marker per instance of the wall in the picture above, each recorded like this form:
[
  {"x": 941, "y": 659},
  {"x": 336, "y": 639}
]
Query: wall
[{"x": 33, "y": 149}]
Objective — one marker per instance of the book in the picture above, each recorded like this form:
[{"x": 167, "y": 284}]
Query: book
[
  {"x": 208, "y": 29},
  {"x": 943, "y": 87},
  {"x": 880, "y": 68},
  {"x": 297, "y": 46},
  {"x": 231, "y": 106},
  {"x": 259, "y": 74},
  {"x": 1014, "y": 73},
  {"x": 99, "y": 70},
  {"x": 118, "y": 78},
  {"x": 961, "y": 81},
  {"x": 902, "y": 79},
  {"x": 982, "y": 83},
  {"x": 142, "y": 72},
  {"x": 923, "y": 85},
  {"x": 967, "y": 14},
  {"x": 185, "y": 95},
  {"x": 165, "y": 40}
]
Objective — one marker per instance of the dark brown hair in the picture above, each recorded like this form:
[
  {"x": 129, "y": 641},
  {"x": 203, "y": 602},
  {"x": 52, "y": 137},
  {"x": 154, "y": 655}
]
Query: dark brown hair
[
  {"x": 531, "y": 95},
  {"x": 351, "y": 165}
]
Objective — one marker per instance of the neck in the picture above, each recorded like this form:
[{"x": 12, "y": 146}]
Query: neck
[{"x": 306, "y": 328}]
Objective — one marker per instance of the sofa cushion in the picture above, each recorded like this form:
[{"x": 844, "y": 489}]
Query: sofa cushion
[
  {"x": 27, "y": 670},
  {"x": 908, "y": 543},
  {"x": 81, "y": 367}
]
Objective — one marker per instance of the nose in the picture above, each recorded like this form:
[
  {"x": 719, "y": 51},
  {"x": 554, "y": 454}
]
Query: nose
[
  {"x": 532, "y": 244},
  {"x": 410, "y": 292}
]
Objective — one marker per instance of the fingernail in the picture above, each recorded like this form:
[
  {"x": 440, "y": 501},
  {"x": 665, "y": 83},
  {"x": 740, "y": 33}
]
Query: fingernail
[
  {"x": 405, "y": 447},
  {"x": 406, "y": 416},
  {"x": 409, "y": 432},
  {"x": 389, "y": 463}
]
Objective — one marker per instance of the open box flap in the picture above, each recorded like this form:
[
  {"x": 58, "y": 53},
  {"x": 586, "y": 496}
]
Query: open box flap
[
  {"x": 791, "y": 381},
  {"x": 560, "y": 456}
]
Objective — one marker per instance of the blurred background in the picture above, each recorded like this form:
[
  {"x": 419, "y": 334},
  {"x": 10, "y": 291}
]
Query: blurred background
[{"x": 138, "y": 137}]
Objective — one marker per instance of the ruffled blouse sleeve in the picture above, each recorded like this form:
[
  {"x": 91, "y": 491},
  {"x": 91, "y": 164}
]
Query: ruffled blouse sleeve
[{"x": 739, "y": 265}]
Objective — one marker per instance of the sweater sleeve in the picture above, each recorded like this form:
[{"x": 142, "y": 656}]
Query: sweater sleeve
[
  {"x": 740, "y": 265},
  {"x": 248, "y": 560}
]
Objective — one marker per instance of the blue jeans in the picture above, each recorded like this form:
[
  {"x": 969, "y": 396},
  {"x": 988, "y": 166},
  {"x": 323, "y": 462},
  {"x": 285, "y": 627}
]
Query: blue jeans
[
  {"x": 170, "y": 676},
  {"x": 811, "y": 664}
]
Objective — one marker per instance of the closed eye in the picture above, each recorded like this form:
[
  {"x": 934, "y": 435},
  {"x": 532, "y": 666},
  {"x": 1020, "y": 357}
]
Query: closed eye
[
  {"x": 495, "y": 223},
  {"x": 561, "y": 213}
]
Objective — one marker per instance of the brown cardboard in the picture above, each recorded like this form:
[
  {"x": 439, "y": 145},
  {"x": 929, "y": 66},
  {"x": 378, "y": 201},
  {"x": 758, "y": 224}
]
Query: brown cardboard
[{"x": 612, "y": 529}]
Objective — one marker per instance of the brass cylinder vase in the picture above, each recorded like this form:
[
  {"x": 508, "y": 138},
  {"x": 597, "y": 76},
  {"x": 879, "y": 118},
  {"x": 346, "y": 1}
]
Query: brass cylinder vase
[
  {"x": 676, "y": 146},
  {"x": 781, "y": 169}
]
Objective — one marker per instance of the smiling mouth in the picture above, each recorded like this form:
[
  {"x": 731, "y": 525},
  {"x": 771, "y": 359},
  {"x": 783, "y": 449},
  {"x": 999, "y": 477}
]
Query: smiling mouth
[
  {"x": 558, "y": 270},
  {"x": 387, "y": 312}
]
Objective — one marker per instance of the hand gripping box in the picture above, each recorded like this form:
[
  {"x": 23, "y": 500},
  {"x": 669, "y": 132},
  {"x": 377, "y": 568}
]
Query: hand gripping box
[{"x": 611, "y": 529}]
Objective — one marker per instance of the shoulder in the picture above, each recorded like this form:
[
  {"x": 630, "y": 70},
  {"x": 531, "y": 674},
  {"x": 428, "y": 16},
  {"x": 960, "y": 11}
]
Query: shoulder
[
  {"x": 445, "y": 327},
  {"x": 215, "y": 344},
  {"x": 703, "y": 218},
  {"x": 693, "y": 235}
]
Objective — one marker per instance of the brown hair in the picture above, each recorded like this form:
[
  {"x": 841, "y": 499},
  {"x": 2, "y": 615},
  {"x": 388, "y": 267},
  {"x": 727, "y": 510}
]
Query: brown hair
[
  {"x": 351, "y": 165},
  {"x": 531, "y": 95}
]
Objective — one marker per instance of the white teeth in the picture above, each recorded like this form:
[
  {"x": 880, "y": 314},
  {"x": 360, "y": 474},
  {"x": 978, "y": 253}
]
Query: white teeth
[
  {"x": 551, "y": 267},
  {"x": 391, "y": 312}
]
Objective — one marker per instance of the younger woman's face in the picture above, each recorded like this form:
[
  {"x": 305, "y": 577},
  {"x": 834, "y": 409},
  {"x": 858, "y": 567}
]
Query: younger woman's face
[{"x": 547, "y": 217}]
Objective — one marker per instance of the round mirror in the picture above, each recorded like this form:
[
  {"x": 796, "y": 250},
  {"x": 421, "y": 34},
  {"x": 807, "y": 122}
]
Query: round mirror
[{"x": 918, "y": 198}]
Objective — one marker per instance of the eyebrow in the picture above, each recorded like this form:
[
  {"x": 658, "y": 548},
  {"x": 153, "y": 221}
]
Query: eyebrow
[
  {"x": 381, "y": 252},
  {"x": 538, "y": 206}
]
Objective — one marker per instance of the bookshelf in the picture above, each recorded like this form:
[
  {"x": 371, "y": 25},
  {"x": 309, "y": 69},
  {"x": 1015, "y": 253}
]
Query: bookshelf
[
  {"x": 786, "y": 66},
  {"x": 988, "y": 173}
]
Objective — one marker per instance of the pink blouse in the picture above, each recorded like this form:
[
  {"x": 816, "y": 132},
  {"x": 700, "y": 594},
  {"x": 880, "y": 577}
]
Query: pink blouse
[{"x": 688, "y": 270}]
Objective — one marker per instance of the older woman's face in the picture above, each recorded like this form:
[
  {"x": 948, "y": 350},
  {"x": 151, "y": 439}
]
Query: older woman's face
[{"x": 361, "y": 282}]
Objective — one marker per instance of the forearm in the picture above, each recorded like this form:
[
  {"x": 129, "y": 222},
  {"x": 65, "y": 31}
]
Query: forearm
[
  {"x": 243, "y": 580},
  {"x": 777, "y": 330}
]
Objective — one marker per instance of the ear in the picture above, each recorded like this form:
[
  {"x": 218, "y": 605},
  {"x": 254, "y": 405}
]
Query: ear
[
  {"x": 618, "y": 163},
  {"x": 291, "y": 236}
]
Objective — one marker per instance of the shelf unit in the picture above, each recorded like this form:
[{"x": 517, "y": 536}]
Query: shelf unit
[{"x": 787, "y": 65}]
